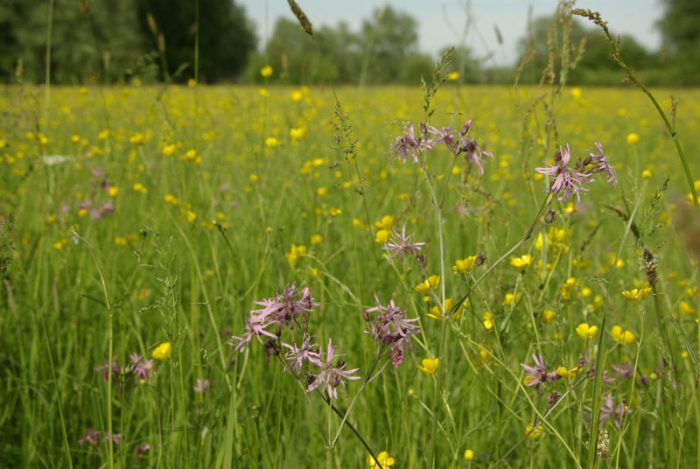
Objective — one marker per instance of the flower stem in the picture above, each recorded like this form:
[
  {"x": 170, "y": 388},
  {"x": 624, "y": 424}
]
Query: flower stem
[{"x": 528, "y": 234}]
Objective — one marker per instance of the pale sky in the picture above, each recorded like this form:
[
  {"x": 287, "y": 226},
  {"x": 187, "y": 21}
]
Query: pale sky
[{"x": 441, "y": 22}]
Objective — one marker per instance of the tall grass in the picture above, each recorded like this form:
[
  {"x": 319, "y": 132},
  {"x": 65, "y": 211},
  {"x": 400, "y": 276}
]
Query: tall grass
[{"x": 213, "y": 191}]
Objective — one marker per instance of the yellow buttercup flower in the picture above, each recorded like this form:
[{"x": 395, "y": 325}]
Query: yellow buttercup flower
[
  {"x": 521, "y": 262},
  {"x": 429, "y": 366},
  {"x": 469, "y": 454},
  {"x": 382, "y": 236},
  {"x": 463, "y": 266},
  {"x": 686, "y": 308},
  {"x": 487, "y": 320},
  {"x": 622, "y": 337},
  {"x": 452, "y": 76},
  {"x": 296, "y": 96},
  {"x": 297, "y": 133},
  {"x": 139, "y": 187},
  {"x": 266, "y": 71},
  {"x": 384, "y": 459},
  {"x": 436, "y": 313},
  {"x": 636, "y": 294},
  {"x": 137, "y": 139},
  {"x": 296, "y": 253},
  {"x": 509, "y": 299},
  {"x": 163, "y": 351},
  {"x": 428, "y": 284},
  {"x": 168, "y": 150},
  {"x": 548, "y": 316},
  {"x": 586, "y": 331},
  {"x": 385, "y": 223},
  {"x": 533, "y": 432},
  {"x": 632, "y": 138}
]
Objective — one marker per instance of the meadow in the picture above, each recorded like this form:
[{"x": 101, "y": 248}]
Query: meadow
[{"x": 177, "y": 260}]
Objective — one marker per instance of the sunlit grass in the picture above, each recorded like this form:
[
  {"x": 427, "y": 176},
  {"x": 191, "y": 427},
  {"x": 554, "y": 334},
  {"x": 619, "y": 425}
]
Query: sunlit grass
[{"x": 140, "y": 217}]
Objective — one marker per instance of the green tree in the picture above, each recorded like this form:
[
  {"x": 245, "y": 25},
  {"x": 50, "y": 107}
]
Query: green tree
[
  {"x": 594, "y": 63},
  {"x": 331, "y": 56},
  {"x": 415, "y": 67},
  {"x": 389, "y": 38},
  {"x": 10, "y": 17},
  {"x": 91, "y": 41},
  {"x": 681, "y": 39},
  {"x": 225, "y": 36}
]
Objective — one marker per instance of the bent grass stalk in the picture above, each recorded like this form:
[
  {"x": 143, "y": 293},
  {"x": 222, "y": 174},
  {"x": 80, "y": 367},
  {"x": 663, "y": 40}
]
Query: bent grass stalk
[
  {"x": 508, "y": 253},
  {"x": 616, "y": 55}
]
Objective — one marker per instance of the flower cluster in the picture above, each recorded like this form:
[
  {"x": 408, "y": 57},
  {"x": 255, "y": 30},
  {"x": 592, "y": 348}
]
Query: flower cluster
[
  {"x": 389, "y": 326},
  {"x": 285, "y": 312},
  {"x": 92, "y": 437},
  {"x": 330, "y": 374},
  {"x": 138, "y": 368},
  {"x": 401, "y": 245},
  {"x": 284, "y": 309},
  {"x": 458, "y": 144},
  {"x": 568, "y": 180},
  {"x": 538, "y": 373}
]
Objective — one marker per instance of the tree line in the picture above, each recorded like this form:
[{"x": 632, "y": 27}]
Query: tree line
[{"x": 103, "y": 41}]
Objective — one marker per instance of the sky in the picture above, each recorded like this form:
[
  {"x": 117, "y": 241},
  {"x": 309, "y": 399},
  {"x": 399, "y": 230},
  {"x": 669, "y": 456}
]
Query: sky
[{"x": 442, "y": 22}]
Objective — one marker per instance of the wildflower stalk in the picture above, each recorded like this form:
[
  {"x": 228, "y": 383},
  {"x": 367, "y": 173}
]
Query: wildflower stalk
[
  {"x": 58, "y": 396},
  {"x": 541, "y": 416},
  {"x": 599, "y": 365},
  {"x": 344, "y": 415},
  {"x": 364, "y": 383},
  {"x": 441, "y": 249},
  {"x": 47, "y": 64},
  {"x": 350, "y": 426},
  {"x": 215, "y": 327},
  {"x": 616, "y": 56},
  {"x": 508, "y": 253},
  {"x": 110, "y": 348},
  {"x": 543, "y": 420}
]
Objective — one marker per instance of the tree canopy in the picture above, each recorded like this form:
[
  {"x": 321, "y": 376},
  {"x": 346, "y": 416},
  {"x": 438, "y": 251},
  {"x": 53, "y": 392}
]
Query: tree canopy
[{"x": 105, "y": 41}]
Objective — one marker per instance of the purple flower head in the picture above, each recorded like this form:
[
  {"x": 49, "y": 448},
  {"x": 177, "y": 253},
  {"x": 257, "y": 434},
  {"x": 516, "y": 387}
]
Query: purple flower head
[
  {"x": 409, "y": 145},
  {"x": 609, "y": 411},
  {"x": 401, "y": 244},
  {"x": 202, "y": 386},
  {"x": 473, "y": 152},
  {"x": 600, "y": 164},
  {"x": 91, "y": 437},
  {"x": 391, "y": 327},
  {"x": 142, "y": 369},
  {"x": 465, "y": 128},
  {"x": 443, "y": 135},
  {"x": 331, "y": 375},
  {"x": 116, "y": 437},
  {"x": 282, "y": 310},
  {"x": 143, "y": 449},
  {"x": 624, "y": 370},
  {"x": 537, "y": 374},
  {"x": 106, "y": 368},
  {"x": 553, "y": 398},
  {"x": 607, "y": 379},
  {"x": 297, "y": 355},
  {"x": 566, "y": 181}
]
